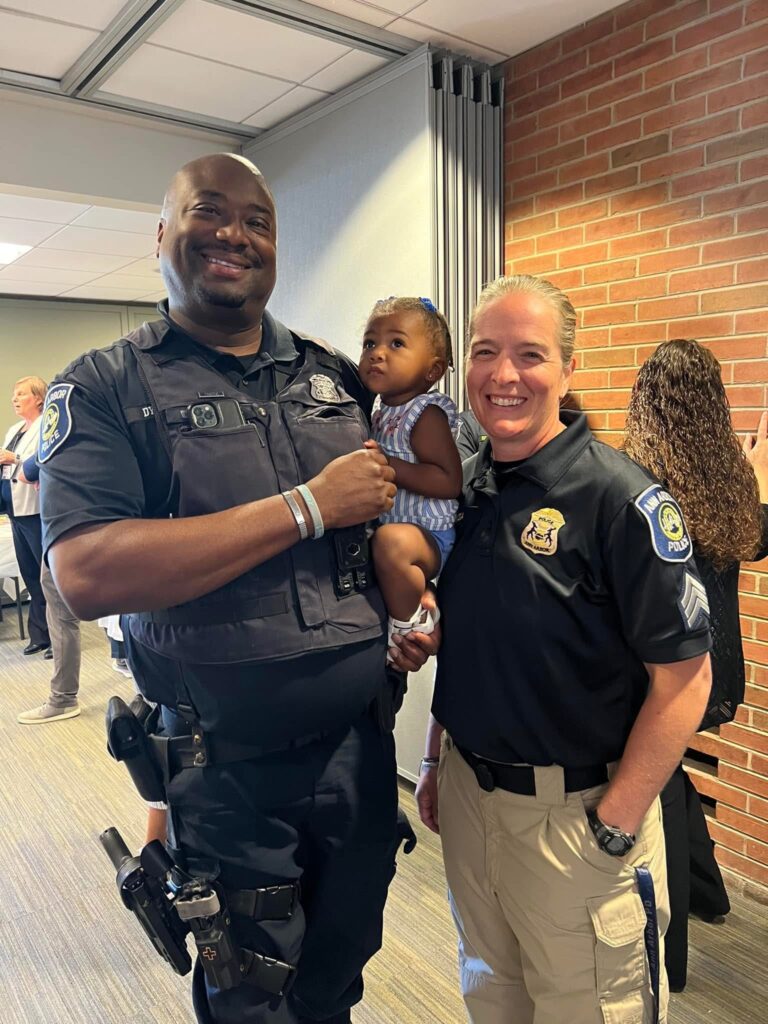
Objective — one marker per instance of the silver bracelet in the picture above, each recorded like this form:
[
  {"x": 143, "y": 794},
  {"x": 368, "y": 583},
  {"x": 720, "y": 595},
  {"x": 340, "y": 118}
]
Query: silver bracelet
[
  {"x": 314, "y": 510},
  {"x": 298, "y": 515}
]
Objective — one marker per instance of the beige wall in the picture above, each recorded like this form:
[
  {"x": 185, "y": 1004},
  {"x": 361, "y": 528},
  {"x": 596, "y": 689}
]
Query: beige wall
[{"x": 42, "y": 337}]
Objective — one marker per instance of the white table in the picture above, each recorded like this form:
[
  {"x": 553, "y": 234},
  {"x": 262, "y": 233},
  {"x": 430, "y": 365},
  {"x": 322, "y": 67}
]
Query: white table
[{"x": 9, "y": 569}]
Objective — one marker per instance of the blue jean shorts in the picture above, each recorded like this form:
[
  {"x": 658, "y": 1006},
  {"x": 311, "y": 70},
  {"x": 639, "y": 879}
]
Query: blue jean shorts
[{"x": 445, "y": 540}]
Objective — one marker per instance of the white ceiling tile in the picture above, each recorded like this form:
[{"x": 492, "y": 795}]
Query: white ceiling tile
[
  {"x": 129, "y": 281},
  {"x": 30, "y": 208},
  {"x": 149, "y": 267},
  {"x": 31, "y": 288},
  {"x": 40, "y": 47},
  {"x": 25, "y": 232},
  {"x": 94, "y": 240},
  {"x": 113, "y": 219},
  {"x": 36, "y": 275},
  {"x": 89, "y": 13},
  {"x": 509, "y": 26},
  {"x": 61, "y": 259},
  {"x": 425, "y": 34},
  {"x": 294, "y": 101},
  {"x": 157, "y": 75},
  {"x": 245, "y": 41},
  {"x": 94, "y": 291},
  {"x": 346, "y": 70},
  {"x": 368, "y": 13}
]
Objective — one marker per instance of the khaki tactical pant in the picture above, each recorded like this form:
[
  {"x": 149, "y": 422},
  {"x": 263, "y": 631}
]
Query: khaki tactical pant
[{"x": 551, "y": 929}]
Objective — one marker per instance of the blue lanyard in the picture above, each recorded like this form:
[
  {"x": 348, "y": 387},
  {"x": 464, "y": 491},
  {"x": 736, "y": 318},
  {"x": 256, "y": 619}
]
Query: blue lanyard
[{"x": 648, "y": 896}]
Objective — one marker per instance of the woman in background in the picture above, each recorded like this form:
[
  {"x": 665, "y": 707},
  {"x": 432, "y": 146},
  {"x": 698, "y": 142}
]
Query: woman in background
[{"x": 679, "y": 427}]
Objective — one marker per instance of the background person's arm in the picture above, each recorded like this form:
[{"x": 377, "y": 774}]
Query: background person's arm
[{"x": 671, "y": 713}]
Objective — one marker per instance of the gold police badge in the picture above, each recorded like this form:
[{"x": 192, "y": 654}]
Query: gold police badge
[{"x": 540, "y": 535}]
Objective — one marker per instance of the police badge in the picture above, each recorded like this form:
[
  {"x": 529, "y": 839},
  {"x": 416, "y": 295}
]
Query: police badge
[
  {"x": 540, "y": 535},
  {"x": 322, "y": 388}
]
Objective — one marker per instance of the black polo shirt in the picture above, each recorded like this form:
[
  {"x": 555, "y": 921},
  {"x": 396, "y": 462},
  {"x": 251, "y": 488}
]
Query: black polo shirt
[
  {"x": 113, "y": 466},
  {"x": 562, "y": 584}
]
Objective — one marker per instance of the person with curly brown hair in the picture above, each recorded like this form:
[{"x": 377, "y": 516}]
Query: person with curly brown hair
[{"x": 679, "y": 427}]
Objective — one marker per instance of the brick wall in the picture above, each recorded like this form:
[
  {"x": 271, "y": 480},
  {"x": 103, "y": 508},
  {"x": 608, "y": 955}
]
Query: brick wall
[{"x": 636, "y": 178}]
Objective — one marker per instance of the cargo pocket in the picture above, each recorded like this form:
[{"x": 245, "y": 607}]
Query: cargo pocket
[{"x": 622, "y": 981}]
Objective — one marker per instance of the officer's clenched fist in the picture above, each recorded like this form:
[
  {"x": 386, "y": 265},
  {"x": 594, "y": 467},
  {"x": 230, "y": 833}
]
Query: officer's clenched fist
[{"x": 354, "y": 488}]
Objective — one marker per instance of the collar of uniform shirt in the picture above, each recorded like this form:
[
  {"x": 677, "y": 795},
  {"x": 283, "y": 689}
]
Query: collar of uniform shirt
[{"x": 546, "y": 466}]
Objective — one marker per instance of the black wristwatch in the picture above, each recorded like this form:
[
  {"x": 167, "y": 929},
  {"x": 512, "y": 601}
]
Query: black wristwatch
[{"x": 610, "y": 839}]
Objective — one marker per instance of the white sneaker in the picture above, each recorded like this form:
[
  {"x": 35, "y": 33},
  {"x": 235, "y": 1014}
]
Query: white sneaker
[
  {"x": 423, "y": 620},
  {"x": 48, "y": 713}
]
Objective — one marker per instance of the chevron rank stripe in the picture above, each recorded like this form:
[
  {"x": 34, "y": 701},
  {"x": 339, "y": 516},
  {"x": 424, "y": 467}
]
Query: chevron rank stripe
[{"x": 693, "y": 603}]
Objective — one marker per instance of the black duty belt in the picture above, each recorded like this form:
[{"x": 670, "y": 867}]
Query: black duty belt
[
  {"x": 215, "y": 613},
  {"x": 195, "y": 751},
  {"x": 521, "y": 779}
]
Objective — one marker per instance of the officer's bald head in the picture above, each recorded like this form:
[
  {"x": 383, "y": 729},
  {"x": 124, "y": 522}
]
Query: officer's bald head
[{"x": 209, "y": 170}]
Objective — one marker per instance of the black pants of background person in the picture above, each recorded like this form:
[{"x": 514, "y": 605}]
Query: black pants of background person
[
  {"x": 28, "y": 545},
  {"x": 323, "y": 814},
  {"x": 693, "y": 876}
]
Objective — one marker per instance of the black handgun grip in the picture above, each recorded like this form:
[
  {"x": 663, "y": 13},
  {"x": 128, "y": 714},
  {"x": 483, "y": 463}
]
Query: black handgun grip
[{"x": 127, "y": 741}]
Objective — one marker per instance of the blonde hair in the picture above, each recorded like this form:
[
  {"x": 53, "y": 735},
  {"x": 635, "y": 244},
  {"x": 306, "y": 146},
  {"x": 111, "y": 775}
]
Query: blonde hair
[
  {"x": 37, "y": 386},
  {"x": 565, "y": 314}
]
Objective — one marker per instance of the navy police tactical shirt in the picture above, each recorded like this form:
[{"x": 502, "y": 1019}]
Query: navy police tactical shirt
[
  {"x": 105, "y": 463},
  {"x": 580, "y": 569}
]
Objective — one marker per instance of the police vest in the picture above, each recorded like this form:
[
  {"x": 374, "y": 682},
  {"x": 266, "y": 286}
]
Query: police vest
[{"x": 227, "y": 449}]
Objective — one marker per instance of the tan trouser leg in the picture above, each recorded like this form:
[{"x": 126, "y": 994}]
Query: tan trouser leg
[{"x": 534, "y": 895}]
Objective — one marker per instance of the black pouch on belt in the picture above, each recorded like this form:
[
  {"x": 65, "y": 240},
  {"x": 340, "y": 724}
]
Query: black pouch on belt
[{"x": 127, "y": 741}]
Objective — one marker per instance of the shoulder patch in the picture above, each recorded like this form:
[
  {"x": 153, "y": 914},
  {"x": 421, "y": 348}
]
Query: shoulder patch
[
  {"x": 668, "y": 531},
  {"x": 57, "y": 420}
]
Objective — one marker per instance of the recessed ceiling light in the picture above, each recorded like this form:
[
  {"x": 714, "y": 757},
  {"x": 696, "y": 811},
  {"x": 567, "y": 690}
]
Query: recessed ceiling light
[{"x": 9, "y": 253}]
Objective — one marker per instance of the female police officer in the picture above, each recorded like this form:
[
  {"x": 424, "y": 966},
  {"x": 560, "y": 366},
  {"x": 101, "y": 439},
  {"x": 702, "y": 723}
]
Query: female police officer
[
  {"x": 581, "y": 658},
  {"x": 174, "y": 473}
]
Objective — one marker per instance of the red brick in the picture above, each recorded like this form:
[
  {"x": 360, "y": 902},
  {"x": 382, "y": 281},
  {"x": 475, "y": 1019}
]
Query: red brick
[
  {"x": 617, "y": 420},
  {"x": 708, "y": 785},
  {"x": 533, "y": 265},
  {"x": 643, "y": 149},
  {"x": 610, "y": 357},
  {"x": 650, "y": 53},
  {"x": 756, "y": 64},
  {"x": 515, "y": 170},
  {"x": 753, "y": 270},
  {"x": 519, "y": 127},
  {"x": 757, "y": 851},
  {"x": 560, "y": 197},
  {"x": 755, "y": 114},
  {"x": 705, "y": 327},
  {"x": 536, "y": 100},
  {"x": 738, "y": 95},
  {"x": 567, "y": 280},
  {"x": 535, "y": 184},
  {"x": 533, "y": 225},
  {"x": 757, "y": 10},
  {"x": 621, "y": 88},
  {"x": 523, "y": 84},
  {"x": 669, "y": 309},
  {"x": 750, "y": 781},
  {"x": 752, "y": 323},
  {"x": 643, "y": 102},
  {"x": 533, "y": 144},
  {"x": 701, "y": 279},
  {"x": 711, "y": 29},
  {"x": 518, "y": 250},
  {"x": 604, "y": 399},
  {"x": 582, "y": 213},
  {"x": 615, "y": 136},
  {"x": 675, "y": 114},
  {"x": 636, "y": 334},
  {"x": 578, "y": 127},
  {"x": 678, "y": 67},
  {"x": 676, "y": 163},
  {"x": 735, "y": 299},
  {"x": 613, "y": 182},
  {"x": 582, "y": 36},
  {"x": 564, "y": 68},
  {"x": 611, "y": 227},
  {"x": 706, "y": 181},
  {"x": 518, "y": 210},
  {"x": 701, "y": 230},
  {"x": 738, "y": 145},
  {"x": 744, "y": 372},
  {"x": 565, "y": 111},
  {"x": 640, "y": 10},
  {"x": 758, "y": 808},
  {"x": 749, "y": 739},
  {"x": 671, "y": 213},
  {"x": 755, "y": 194},
  {"x": 751, "y": 396},
  {"x": 639, "y": 288},
  {"x": 735, "y": 248},
  {"x": 583, "y": 170},
  {"x": 727, "y": 838},
  {"x": 564, "y": 238},
  {"x": 560, "y": 155},
  {"x": 617, "y": 271},
  {"x": 680, "y": 14},
  {"x": 712, "y": 78},
  {"x": 617, "y": 43},
  {"x": 583, "y": 254},
  {"x": 585, "y": 80},
  {"x": 537, "y": 57},
  {"x": 595, "y": 295},
  {"x": 640, "y": 198},
  {"x": 676, "y": 259},
  {"x": 707, "y": 128},
  {"x": 743, "y": 866},
  {"x": 646, "y": 241},
  {"x": 623, "y": 378},
  {"x": 594, "y": 338},
  {"x": 587, "y": 380},
  {"x": 756, "y": 167},
  {"x": 735, "y": 45}
]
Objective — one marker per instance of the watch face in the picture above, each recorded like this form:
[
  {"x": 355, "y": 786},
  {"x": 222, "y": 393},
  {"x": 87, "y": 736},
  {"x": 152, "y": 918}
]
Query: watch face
[{"x": 616, "y": 846}]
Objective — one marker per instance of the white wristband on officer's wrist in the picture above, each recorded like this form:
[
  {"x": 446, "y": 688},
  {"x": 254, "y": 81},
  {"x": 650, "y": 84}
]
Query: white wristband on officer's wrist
[
  {"x": 314, "y": 511},
  {"x": 298, "y": 515}
]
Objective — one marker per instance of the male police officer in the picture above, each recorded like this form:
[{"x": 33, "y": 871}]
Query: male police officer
[{"x": 203, "y": 470}]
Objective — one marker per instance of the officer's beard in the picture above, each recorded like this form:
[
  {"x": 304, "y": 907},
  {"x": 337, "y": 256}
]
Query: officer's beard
[{"x": 229, "y": 300}]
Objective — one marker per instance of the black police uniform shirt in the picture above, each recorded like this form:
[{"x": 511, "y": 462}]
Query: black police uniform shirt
[
  {"x": 579, "y": 568},
  {"x": 112, "y": 466},
  {"x": 471, "y": 435}
]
